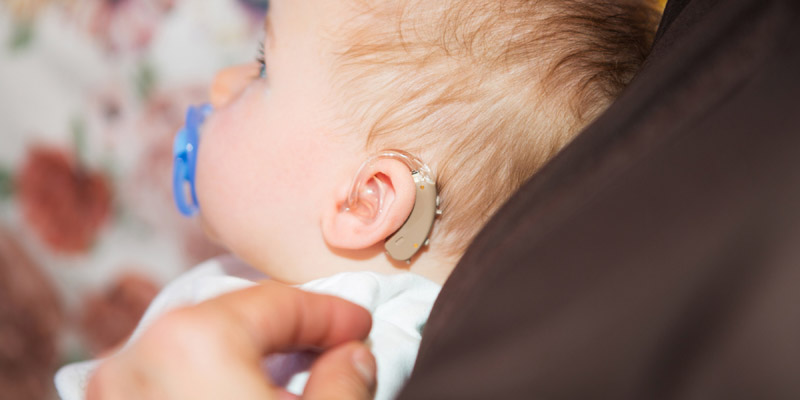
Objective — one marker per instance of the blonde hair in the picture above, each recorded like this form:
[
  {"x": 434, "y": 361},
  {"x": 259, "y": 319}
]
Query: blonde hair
[{"x": 485, "y": 91}]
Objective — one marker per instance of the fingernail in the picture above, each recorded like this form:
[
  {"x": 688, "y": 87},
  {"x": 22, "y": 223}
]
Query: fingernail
[{"x": 365, "y": 365}]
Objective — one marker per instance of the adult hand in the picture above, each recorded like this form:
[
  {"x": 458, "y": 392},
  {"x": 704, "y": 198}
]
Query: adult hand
[{"x": 213, "y": 350}]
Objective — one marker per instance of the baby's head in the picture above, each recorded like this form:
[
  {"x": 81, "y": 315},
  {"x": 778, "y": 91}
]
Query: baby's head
[{"x": 484, "y": 92}]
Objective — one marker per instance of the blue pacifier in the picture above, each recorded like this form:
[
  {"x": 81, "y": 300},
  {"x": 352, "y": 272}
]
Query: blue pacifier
[{"x": 184, "y": 151}]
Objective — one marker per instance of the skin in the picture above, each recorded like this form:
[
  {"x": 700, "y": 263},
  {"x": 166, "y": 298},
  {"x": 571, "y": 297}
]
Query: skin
[
  {"x": 232, "y": 333},
  {"x": 275, "y": 164}
]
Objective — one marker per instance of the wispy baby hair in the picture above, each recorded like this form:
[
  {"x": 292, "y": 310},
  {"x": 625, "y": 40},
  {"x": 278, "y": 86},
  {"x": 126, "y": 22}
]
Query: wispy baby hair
[{"x": 486, "y": 91}]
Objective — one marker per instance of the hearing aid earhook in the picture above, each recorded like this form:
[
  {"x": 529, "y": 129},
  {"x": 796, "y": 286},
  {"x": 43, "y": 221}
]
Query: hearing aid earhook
[{"x": 406, "y": 241}]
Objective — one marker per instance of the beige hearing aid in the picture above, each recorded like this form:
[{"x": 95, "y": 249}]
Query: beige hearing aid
[{"x": 409, "y": 239}]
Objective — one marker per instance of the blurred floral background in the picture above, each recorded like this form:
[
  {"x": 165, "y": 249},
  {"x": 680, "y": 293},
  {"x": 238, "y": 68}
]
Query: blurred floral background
[{"x": 91, "y": 94}]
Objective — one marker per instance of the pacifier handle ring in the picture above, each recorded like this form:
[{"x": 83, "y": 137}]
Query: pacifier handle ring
[
  {"x": 179, "y": 190},
  {"x": 184, "y": 150}
]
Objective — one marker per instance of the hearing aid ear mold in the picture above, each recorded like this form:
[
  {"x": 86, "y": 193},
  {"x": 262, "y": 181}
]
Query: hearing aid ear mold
[{"x": 403, "y": 244}]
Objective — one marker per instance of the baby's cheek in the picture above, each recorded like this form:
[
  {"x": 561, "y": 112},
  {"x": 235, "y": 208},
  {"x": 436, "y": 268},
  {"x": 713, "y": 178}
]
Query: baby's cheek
[
  {"x": 208, "y": 228},
  {"x": 204, "y": 160},
  {"x": 210, "y": 172}
]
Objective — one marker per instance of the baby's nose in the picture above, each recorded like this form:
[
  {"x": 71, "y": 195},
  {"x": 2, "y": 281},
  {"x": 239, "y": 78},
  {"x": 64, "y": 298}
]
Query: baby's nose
[{"x": 229, "y": 82}]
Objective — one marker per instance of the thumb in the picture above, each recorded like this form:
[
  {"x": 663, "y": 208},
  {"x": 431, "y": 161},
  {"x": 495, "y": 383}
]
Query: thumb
[{"x": 346, "y": 372}]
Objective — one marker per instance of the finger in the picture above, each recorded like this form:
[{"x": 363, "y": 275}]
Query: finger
[
  {"x": 345, "y": 372},
  {"x": 272, "y": 317},
  {"x": 283, "y": 394}
]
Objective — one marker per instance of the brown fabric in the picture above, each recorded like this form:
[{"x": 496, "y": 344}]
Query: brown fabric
[{"x": 658, "y": 256}]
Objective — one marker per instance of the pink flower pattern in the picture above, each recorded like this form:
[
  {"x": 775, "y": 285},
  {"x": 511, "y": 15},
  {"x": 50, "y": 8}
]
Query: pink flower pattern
[
  {"x": 108, "y": 318},
  {"x": 125, "y": 25},
  {"x": 88, "y": 229},
  {"x": 62, "y": 201},
  {"x": 30, "y": 320}
]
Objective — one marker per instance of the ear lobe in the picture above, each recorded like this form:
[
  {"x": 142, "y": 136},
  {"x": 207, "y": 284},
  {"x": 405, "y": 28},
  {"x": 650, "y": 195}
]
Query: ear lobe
[{"x": 385, "y": 200}]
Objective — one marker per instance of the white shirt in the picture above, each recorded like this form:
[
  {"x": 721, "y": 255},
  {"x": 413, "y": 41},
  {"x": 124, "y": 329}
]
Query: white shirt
[{"x": 399, "y": 305}]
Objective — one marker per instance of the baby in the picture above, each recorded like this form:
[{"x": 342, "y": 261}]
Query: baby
[{"x": 326, "y": 164}]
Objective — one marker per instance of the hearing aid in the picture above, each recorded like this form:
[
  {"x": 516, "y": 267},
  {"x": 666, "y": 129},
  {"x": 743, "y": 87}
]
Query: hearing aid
[
  {"x": 404, "y": 243},
  {"x": 184, "y": 152}
]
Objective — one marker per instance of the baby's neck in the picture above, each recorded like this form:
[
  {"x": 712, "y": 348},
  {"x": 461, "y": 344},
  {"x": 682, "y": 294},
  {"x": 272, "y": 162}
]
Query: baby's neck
[
  {"x": 426, "y": 264},
  {"x": 304, "y": 264},
  {"x": 433, "y": 268}
]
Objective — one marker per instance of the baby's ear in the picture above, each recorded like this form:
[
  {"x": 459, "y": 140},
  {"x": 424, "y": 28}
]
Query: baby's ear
[{"x": 385, "y": 200}]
